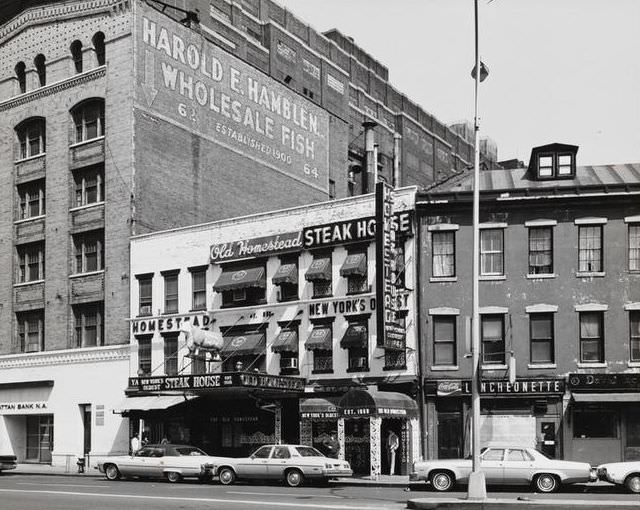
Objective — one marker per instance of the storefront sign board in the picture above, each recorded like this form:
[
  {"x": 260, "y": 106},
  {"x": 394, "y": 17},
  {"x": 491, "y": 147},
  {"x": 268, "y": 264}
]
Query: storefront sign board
[
  {"x": 256, "y": 247},
  {"x": 167, "y": 324},
  {"x": 24, "y": 407},
  {"x": 604, "y": 382},
  {"x": 453, "y": 388},
  {"x": 204, "y": 382}
]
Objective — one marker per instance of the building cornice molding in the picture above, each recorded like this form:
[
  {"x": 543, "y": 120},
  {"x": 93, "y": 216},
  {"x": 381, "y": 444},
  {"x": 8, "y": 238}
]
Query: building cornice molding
[
  {"x": 55, "y": 13},
  {"x": 66, "y": 357},
  {"x": 54, "y": 88}
]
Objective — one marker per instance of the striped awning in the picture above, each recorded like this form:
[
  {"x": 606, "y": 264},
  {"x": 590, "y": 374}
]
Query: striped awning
[
  {"x": 286, "y": 341},
  {"x": 244, "y": 344},
  {"x": 320, "y": 269},
  {"x": 355, "y": 336},
  {"x": 241, "y": 279},
  {"x": 354, "y": 264},
  {"x": 286, "y": 273},
  {"x": 320, "y": 338}
]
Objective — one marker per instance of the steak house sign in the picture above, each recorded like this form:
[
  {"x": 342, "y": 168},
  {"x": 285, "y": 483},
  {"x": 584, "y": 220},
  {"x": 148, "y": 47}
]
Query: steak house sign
[
  {"x": 205, "y": 382},
  {"x": 194, "y": 83}
]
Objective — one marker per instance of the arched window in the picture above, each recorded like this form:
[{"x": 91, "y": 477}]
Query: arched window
[
  {"x": 21, "y": 74},
  {"x": 76, "y": 55},
  {"x": 41, "y": 69},
  {"x": 98, "y": 46},
  {"x": 88, "y": 118},
  {"x": 31, "y": 137}
]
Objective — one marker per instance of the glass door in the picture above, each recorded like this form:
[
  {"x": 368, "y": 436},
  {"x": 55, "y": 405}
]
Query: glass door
[{"x": 39, "y": 438}]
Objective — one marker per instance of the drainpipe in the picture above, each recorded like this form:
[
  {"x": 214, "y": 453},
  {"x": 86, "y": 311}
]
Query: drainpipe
[{"x": 396, "y": 160}]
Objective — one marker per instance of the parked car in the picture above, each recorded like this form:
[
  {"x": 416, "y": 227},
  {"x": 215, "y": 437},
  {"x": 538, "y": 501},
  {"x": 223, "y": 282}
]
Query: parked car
[
  {"x": 621, "y": 473},
  {"x": 292, "y": 463},
  {"x": 8, "y": 462},
  {"x": 505, "y": 466},
  {"x": 171, "y": 461}
]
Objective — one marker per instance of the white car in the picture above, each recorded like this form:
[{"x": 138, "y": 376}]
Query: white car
[
  {"x": 511, "y": 465},
  {"x": 292, "y": 463},
  {"x": 621, "y": 473}
]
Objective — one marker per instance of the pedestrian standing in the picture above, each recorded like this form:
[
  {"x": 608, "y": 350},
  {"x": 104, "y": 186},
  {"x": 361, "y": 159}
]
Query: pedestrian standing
[
  {"x": 135, "y": 443},
  {"x": 393, "y": 443}
]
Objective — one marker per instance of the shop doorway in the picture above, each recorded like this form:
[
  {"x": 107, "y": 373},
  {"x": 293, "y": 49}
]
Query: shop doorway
[
  {"x": 85, "y": 409},
  {"x": 450, "y": 435},
  {"x": 39, "y": 439},
  {"x": 392, "y": 441},
  {"x": 357, "y": 450}
]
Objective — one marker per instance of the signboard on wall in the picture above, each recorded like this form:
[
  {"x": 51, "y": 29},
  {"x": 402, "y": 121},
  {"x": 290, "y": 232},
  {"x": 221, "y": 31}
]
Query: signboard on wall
[
  {"x": 205, "y": 382},
  {"x": 603, "y": 382},
  {"x": 188, "y": 81},
  {"x": 147, "y": 326},
  {"x": 456, "y": 388},
  {"x": 256, "y": 247}
]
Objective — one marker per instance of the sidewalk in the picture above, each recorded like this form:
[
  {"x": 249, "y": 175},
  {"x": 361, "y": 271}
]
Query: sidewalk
[{"x": 519, "y": 503}]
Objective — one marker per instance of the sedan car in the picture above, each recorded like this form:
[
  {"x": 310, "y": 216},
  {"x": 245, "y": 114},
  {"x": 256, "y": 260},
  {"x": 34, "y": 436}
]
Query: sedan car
[
  {"x": 8, "y": 462},
  {"x": 504, "y": 466},
  {"x": 621, "y": 473},
  {"x": 292, "y": 463},
  {"x": 171, "y": 461}
]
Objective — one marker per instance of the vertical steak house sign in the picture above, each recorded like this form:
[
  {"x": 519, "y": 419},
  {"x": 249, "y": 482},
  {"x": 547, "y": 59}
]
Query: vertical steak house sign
[{"x": 189, "y": 81}]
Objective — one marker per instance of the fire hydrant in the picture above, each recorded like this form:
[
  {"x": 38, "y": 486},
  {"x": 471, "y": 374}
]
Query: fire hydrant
[{"x": 80, "y": 464}]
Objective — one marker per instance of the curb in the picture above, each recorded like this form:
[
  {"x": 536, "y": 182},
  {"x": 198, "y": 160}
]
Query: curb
[{"x": 522, "y": 504}]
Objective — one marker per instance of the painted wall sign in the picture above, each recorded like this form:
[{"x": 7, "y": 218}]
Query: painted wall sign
[
  {"x": 592, "y": 382},
  {"x": 187, "y": 80},
  {"x": 168, "y": 324},
  {"x": 23, "y": 407},
  {"x": 452, "y": 388},
  {"x": 198, "y": 383},
  {"x": 342, "y": 307},
  {"x": 256, "y": 247}
]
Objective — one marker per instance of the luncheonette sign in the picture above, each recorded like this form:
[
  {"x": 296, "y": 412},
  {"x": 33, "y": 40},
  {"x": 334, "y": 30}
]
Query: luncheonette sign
[
  {"x": 203, "y": 382},
  {"x": 191, "y": 82},
  {"x": 452, "y": 388}
]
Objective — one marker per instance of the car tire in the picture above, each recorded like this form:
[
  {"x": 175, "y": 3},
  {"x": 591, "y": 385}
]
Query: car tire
[
  {"x": 546, "y": 482},
  {"x": 111, "y": 472},
  {"x": 227, "y": 476},
  {"x": 442, "y": 481},
  {"x": 632, "y": 483},
  {"x": 294, "y": 478},
  {"x": 173, "y": 476}
]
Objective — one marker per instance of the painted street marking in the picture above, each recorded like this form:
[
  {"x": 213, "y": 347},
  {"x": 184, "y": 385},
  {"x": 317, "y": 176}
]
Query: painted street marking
[
  {"x": 288, "y": 494},
  {"x": 60, "y": 485}
]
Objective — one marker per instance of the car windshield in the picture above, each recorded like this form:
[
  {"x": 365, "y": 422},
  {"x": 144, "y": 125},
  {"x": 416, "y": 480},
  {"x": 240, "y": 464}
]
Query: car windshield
[
  {"x": 308, "y": 451},
  {"x": 189, "y": 450}
]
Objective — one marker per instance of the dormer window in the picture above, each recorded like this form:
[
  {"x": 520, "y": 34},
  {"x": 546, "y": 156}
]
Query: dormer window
[
  {"x": 545, "y": 166},
  {"x": 565, "y": 164},
  {"x": 555, "y": 165}
]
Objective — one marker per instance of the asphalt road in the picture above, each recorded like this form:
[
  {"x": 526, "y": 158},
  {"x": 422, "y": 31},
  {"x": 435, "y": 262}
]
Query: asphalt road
[{"x": 34, "y": 492}]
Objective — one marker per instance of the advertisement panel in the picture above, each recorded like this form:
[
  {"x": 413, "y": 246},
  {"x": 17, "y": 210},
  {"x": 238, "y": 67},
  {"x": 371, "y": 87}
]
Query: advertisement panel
[{"x": 186, "y": 80}]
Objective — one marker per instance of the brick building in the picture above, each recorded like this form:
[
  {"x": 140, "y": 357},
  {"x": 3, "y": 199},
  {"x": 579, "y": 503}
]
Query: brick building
[{"x": 559, "y": 308}]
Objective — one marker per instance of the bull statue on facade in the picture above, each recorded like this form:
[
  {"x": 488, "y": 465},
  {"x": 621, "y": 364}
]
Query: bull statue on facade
[{"x": 198, "y": 339}]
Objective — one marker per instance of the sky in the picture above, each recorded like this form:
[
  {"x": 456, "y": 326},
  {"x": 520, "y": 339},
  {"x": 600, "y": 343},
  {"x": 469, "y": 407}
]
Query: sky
[{"x": 564, "y": 71}]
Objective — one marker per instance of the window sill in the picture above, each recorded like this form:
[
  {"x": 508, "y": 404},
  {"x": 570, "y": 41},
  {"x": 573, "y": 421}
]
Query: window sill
[
  {"x": 592, "y": 365},
  {"x": 443, "y": 368},
  {"x": 289, "y": 371},
  {"x": 88, "y": 273},
  {"x": 633, "y": 364},
  {"x": 203, "y": 309},
  {"x": 439, "y": 279},
  {"x": 489, "y": 277},
  {"x": 399, "y": 367},
  {"x": 32, "y": 282},
  {"x": 325, "y": 371},
  {"x": 357, "y": 293},
  {"x": 322, "y": 297},
  {"x": 288, "y": 299},
  {"x": 541, "y": 366},
  {"x": 86, "y": 206},
  {"x": 29, "y": 158},
  {"x": 494, "y": 367},
  {"x": 32, "y": 218},
  {"x": 590, "y": 274},
  {"x": 351, "y": 370},
  {"x": 85, "y": 142},
  {"x": 543, "y": 276},
  {"x": 170, "y": 313}
]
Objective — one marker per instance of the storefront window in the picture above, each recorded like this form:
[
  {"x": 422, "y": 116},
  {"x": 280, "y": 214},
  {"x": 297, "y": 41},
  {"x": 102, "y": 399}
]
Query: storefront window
[{"x": 595, "y": 423}]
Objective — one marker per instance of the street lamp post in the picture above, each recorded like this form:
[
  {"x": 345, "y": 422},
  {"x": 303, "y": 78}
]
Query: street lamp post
[{"x": 477, "y": 486}]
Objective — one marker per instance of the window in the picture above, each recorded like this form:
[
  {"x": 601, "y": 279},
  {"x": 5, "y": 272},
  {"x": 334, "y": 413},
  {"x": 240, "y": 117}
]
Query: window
[
  {"x": 98, "y": 46},
  {"x": 595, "y": 423},
  {"x": 89, "y": 184},
  {"x": 555, "y": 165},
  {"x": 590, "y": 249},
  {"x": 493, "y": 454},
  {"x": 242, "y": 284},
  {"x": 545, "y": 166},
  {"x": 443, "y": 254},
  {"x": 76, "y": 55},
  {"x": 540, "y": 250},
  {"x": 541, "y": 335},
  {"x": 170, "y": 354},
  {"x": 400, "y": 280},
  {"x": 262, "y": 453},
  {"x": 357, "y": 282},
  {"x": 444, "y": 339},
  {"x": 357, "y": 344},
  {"x": 286, "y": 278},
  {"x": 21, "y": 74},
  {"x": 144, "y": 291},
  {"x": 31, "y": 199},
  {"x": 591, "y": 337},
  {"x": 41, "y": 69},
  {"x": 144, "y": 356},
  {"x": 322, "y": 361},
  {"x": 634, "y": 335},
  {"x": 89, "y": 251},
  {"x": 518, "y": 456},
  {"x": 492, "y": 334},
  {"x": 320, "y": 274},
  {"x": 170, "y": 291},
  {"x": 88, "y": 118},
  {"x": 634, "y": 247},
  {"x": 30, "y": 331},
  {"x": 281, "y": 452},
  {"x": 491, "y": 252},
  {"x": 199, "y": 288},
  {"x": 565, "y": 164},
  {"x": 89, "y": 325},
  {"x": 395, "y": 359},
  {"x": 31, "y": 137},
  {"x": 332, "y": 188},
  {"x": 31, "y": 262}
]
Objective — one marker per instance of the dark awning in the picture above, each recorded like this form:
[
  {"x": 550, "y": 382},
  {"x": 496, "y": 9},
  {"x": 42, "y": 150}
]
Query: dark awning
[
  {"x": 320, "y": 338},
  {"x": 355, "y": 264},
  {"x": 286, "y": 273},
  {"x": 244, "y": 344},
  {"x": 355, "y": 336},
  {"x": 363, "y": 402},
  {"x": 241, "y": 279},
  {"x": 320, "y": 269},
  {"x": 319, "y": 408},
  {"x": 149, "y": 403},
  {"x": 606, "y": 397},
  {"x": 287, "y": 340}
]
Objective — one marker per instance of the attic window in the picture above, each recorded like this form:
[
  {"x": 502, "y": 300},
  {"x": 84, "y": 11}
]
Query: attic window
[
  {"x": 555, "y": 165},
  {"x": 565, "y": 164},
  {"x": 545, "y": 166}
]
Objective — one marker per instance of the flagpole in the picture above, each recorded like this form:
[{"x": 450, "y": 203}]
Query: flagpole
[{"x": 477, "y": 486}]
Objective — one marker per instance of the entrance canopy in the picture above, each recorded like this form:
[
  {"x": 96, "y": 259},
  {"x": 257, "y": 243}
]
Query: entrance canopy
[
  {"x": 606, "y": 397},
  {"x": 149, "y": 403},
  {"x": 362, "y": 402},
  {"x": 319, "y": 408}
]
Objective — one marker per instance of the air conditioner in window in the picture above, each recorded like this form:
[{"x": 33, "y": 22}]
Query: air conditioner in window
[
  {"x": 360, "y": 362},
  {"x": 145, "y": 310},
  {"x": 239, "y": 294},
  {"x": 289, "y": 363}
]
